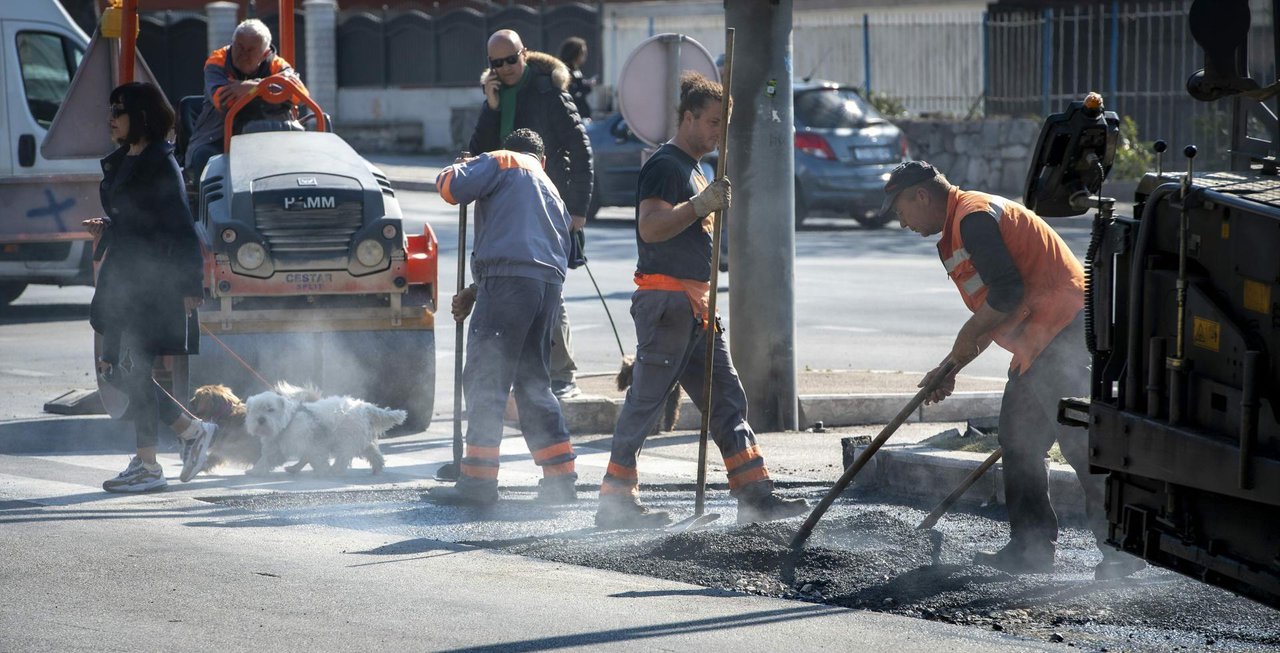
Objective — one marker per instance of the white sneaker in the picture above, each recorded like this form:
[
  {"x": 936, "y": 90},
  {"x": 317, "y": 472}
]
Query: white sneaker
[
  {"x": 137, "y": 478},
  {"x": 195, "y": 452}
]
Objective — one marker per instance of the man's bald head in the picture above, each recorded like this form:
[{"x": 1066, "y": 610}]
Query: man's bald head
[
  {"x": 503, "y": 45},
  {"x": 506, "y": 37}
]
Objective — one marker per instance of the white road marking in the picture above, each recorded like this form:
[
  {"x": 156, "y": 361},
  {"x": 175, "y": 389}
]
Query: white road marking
[{"x": 27, "y": 373}]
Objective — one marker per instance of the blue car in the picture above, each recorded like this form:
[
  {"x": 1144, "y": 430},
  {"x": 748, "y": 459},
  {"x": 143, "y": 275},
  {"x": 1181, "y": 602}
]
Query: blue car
[{"x": 844, "y": 152}]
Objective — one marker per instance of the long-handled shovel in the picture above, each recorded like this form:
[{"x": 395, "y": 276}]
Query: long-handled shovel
[
  {"x": 449, "y": 471},
  {"x": 806, "y": 529},
  {"x": 700, "y": 518},
  {"x": 964, "y": 486}
]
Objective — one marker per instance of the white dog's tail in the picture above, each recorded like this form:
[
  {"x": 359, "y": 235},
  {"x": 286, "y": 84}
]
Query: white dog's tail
[
  {"x": 302, "y": 394},
  {"x": 384, "y": 419}
]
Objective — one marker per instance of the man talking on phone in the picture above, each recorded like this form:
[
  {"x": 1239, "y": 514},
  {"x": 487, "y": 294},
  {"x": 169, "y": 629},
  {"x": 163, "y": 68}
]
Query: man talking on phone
[{"x": 524, "y": 89}]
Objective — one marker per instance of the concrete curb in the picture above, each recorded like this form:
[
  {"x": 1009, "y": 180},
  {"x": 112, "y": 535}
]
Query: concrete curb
[
  {"x": 588, "y": 414},
  {"x": 928, "y": 475}
]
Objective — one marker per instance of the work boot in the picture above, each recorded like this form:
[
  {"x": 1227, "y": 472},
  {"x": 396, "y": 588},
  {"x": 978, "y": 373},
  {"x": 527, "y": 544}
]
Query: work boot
[
  {"x": 1017, "y": 558},
  {"x": 768, "y": 507},
  {"x": 1117, "y": 564},
  {"x": 466, "y": 492},
  {"x": 619, "y": 511},
  {"x": 558, "y": 490}
]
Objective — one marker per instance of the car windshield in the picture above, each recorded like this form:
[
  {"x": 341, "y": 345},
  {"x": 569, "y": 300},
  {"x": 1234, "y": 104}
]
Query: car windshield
[{"x": 833, "y": 108}]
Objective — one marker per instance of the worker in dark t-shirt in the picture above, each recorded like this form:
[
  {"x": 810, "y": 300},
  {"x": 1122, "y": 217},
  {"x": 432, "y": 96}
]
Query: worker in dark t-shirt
[{"x": 670, "y": 309}]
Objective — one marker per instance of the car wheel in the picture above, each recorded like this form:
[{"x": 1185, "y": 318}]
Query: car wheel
[
  {"x": 9, "y": 291},
  {"x": 800, "y": 207},
  {"x": 870, "y": 220}
]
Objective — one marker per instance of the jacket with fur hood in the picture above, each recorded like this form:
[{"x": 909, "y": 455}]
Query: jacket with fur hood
[{"x": 545, "y": 106}]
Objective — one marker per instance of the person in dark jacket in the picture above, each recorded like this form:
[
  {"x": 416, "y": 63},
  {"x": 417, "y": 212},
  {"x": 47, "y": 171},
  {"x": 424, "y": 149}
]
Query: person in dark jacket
[
  {"x": 149, "y": 283},
  {"x": 528, "y": 89},
  {"x": 573, "y": 52}
]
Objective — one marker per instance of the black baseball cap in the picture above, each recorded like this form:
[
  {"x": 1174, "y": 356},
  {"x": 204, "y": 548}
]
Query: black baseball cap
[{"x": 907, "y": 174}]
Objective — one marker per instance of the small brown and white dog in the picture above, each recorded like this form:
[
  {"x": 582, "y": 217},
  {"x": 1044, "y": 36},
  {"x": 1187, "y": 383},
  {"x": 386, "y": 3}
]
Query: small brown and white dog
[
  {"x": 670, "y": 411},
  {"x": 340, "y": 428},
  {"x": 232, "y": 444}
]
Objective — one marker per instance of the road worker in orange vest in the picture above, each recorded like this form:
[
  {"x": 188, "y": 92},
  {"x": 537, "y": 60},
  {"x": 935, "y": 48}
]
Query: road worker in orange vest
[{"x": 1026, "y": 291}]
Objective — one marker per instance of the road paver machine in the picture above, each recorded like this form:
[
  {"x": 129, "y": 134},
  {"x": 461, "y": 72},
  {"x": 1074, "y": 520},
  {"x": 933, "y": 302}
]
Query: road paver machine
[{"x": 1183, "y": 321}]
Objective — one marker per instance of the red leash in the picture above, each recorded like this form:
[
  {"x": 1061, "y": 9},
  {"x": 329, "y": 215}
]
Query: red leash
[{"x": 247, "y": 366}]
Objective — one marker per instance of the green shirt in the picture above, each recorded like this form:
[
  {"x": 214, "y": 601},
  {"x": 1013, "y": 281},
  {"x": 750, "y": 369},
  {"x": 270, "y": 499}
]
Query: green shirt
[{"x": 507, "y": 105}]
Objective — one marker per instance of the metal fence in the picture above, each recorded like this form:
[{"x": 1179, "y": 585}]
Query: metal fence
[
  {"x": 1138, "y": 55},
  {"x": 1007, "y": 62},
  {"x": 932, "y": 62}
]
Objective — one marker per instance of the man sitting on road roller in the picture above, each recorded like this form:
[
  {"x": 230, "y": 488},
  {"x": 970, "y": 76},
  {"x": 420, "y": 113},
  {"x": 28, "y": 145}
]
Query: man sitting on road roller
[
  {"x": 230, "y": 73},
  {"x": 1026, "y": 291},
  {"x": 670, "y": 306}
]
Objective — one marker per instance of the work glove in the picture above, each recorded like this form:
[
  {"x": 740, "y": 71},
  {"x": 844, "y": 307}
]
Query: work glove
[
  {"x": 715, "y": 197},
  {"x": 577, "y": 249}
]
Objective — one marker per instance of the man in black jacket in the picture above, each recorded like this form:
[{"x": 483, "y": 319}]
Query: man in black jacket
[{"x": 524, "y": 89}]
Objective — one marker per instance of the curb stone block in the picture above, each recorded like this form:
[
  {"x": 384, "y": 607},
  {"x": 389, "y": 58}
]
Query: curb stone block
[{"x": 927, "y": 475}]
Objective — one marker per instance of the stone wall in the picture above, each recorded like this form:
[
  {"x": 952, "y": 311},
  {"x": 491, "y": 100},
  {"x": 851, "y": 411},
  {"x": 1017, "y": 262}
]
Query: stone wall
[{"x": 991, "y": 154}]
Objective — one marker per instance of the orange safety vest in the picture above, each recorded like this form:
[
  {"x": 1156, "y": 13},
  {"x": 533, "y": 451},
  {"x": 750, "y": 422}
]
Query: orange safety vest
[{"x": 1052, "y": 277}]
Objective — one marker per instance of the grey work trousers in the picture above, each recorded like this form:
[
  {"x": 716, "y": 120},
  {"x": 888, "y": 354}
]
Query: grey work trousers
[
  {"x": 671, "y": 349},
  {"x": 562, "y": 365},
  {"x": 508, "y": 346},
  {"x": 1029, "y": 427}
]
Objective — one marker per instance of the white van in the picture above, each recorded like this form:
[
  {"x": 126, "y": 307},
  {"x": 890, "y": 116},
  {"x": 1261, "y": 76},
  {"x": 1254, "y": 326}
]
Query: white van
[{"x": 42, "y": 201}]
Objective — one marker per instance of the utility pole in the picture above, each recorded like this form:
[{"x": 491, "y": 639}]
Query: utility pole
[{"x": 762, "y": 218}]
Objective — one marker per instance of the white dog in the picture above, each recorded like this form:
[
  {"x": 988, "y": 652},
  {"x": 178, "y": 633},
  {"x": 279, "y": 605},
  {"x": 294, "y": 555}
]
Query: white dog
[{"x": 312, "y": 432}]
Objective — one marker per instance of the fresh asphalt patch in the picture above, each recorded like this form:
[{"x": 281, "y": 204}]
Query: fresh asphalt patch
[{"x": 865, "y": 554}]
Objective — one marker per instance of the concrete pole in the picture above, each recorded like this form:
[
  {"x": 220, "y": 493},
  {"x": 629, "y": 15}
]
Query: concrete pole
[
  {"x": 762, "y": 218},
  {"x": 321, "y": 75},
  {"x": 221, "y": 18}
]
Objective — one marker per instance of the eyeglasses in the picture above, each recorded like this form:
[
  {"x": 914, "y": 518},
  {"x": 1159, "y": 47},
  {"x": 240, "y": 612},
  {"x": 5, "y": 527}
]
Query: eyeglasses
[
  {"x": 117, "y": 110},
  {"x": 505, "y": 61}
]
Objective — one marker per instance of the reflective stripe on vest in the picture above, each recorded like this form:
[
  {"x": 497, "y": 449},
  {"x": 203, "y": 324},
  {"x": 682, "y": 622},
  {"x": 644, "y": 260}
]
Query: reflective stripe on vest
[{"x": 1052, "y": 277}]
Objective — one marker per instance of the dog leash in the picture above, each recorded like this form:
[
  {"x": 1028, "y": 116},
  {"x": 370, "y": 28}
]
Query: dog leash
[
  {"x": 236, "y": 356},
  {"x": 621, "y": 351}
]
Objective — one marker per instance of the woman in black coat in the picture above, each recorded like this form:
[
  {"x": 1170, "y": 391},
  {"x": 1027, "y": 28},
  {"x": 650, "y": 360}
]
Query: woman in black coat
[
  {"x": 573, "y": 52},
  {"x": 149, "y": 283}
]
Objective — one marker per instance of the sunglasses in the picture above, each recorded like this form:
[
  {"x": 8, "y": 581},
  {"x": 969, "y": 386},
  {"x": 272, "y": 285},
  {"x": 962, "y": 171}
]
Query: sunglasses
[
  {"x": 505, "y": 61},
  {"x": 117, "y": 110}
]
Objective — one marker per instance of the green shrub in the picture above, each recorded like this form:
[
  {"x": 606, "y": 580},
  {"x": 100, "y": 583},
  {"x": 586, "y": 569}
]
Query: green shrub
[
  {"x": 888, "y": 105},
  {"x": 1134, "y": 157}
]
